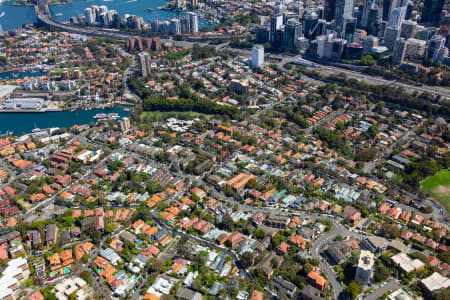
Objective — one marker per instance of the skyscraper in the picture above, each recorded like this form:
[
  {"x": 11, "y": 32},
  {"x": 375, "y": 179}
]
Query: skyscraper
[
  {"x": 193, "y": 21},
  {"x": 175, "y": 27},
  {"x": 344, "y": 9},
  {"x": 90, "y": 15},
  {"x": 431, "y": 12},
  {"x": 408, "y": 29},
  {"x": 144, "y": 60},
  {"x": 368, "y": 4},
  {"x": 399, "y": 52},
  {"x": 329, "y": 10},
  {"x": 310, "y": 21},
  {"x": 348, "y": 30},
  {"x": 435, "y": 44},
  {"x": 397, "y": 16},
  {"x": 292, "y": 31},
  {"x": 262, "y": 34},
  {"x": 391, "y": 35},
  {"x": 257, "y": 55},
  {"x": 185, "y": 25},
  {"x": 276, "y": 22}
]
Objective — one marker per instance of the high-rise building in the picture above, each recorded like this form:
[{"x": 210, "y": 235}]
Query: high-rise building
[
  {"x": 165, "y": 26},
  {"x": 397, "y": 16},
  {"x": 337, "y": 48},
  {"x": 179, "y": 4},
  {"x": 175, "y": 27},
  {"x": 329, "y": 10},
  {"x": 144, "y": 61},
  {"x": 408, "y": 29},
  {"x": 155, "y": 25},
  {"x": 194, "y": 4},
  {"x": 431, "y": 12},
  {"x": 434, "y": 45},
  {"x": 415, "y": 48},
  {"x": 262, "y": 34},
  {"x": 90, "y": 15},
  {"x": 310, "y": 22},
  {"x": 372, "y": 21},
  {"x": 193, "y": 22},
  {"x": 348, "y": 31},
  {"x": 365, "y": 266},
  {"x": 125, "y": 124},
  {"x": 344, "y": 9},
  {"x": 399, "y": 52},
  {"x": 390, "y": 37},
  {"x": 387, "y": 4},
  {"x": 368, "y": 5},
  {"x": 276, "y": 22},
  {"x": 257, "y": 56},
  {"x": 369, "y": 42},
  {"x": 292, "y": 31},
  {"x": 185, "y": 25}
]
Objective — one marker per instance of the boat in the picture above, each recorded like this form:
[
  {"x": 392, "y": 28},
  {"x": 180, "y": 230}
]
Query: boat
[
  {"x": 2, "y": 14},
  {"x": 59, "y": 14},
  {"x": 126, "y": 109},
  {"x": 150, "y": 9},
  {"x": 15, "y": 75},
  {"x": 35, "y": 130},
  {"x": 100, "y": 116},
  {"x": 113, "y": 116}
]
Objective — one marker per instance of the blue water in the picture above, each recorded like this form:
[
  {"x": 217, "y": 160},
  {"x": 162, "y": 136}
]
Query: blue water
[
  {"x": 20, "y": 75},
  {"x": 15, "y": 16},
  {"x": 138, "y": 7},
  {"x": 20, "y": 123}
]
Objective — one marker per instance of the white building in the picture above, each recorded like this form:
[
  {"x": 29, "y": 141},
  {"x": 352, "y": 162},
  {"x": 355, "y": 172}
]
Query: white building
[
  {"x": 257, "y": 55},
  {"x": 193, "y": 22},
  {"x": 365, "y": 266},
  {"x": 15, "y": 272}
]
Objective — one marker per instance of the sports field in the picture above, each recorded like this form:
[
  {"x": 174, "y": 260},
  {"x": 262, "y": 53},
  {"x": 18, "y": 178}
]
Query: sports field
[{"x": 438, "y": 186}]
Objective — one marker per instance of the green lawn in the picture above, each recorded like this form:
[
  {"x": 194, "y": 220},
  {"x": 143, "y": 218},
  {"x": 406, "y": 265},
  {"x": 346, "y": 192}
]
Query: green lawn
[
  {"x": 155, "y": 116},
  {"x": 438, "y": 186}
]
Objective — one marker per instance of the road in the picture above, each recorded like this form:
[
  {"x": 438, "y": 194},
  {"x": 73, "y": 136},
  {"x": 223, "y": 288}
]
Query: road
[
  {"x": 391, "y": 285},
  {"x": 320, "y": 243}
]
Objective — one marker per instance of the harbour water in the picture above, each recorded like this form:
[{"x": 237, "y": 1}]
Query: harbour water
[
  {"x": 20, "y": 123},
  {"x": 15, "y": 16},
  {"x": 20, "y": 75},
  {"x": 131, "y": 7}
]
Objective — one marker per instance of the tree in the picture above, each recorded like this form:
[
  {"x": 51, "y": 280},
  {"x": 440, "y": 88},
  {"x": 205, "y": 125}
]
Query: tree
[
  {"x": 85, "y": 258},
  {"x": 247, "y": 259},
  {"x": 86, "y": 276},
  {"x": 352, "y": 289},
  {"x": 259, "y": 234},
  {"x": 155, "y": 265},
  {"x": 381, "y": 274}
]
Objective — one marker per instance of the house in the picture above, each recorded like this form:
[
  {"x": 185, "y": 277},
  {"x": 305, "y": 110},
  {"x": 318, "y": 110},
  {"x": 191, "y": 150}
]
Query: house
[
  {"x": 316, "y": 280},
  {"x": 297, "y": 241},
  {"x": 282, "y": 284},
  {"x": 234, "y": 239},
  {"x": 50, "y": 233},
  {"x": 187, "y": 294},
  {"x": 278, "y": 221},
  {"x": 310, "y": 293},
  {"x": 338, "y": 252}
]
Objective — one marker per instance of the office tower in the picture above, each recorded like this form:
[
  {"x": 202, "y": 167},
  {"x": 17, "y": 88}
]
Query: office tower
[
  {"x": 155, "y": 25},
  {"x": 387, "y": 4},
  {"x": 337, "y": 48},
  {"x": 193, "y": 22},
  {"x": 397, "y": 16},
  {"x": 368, "y": 4},
  {"x": 276, "y": 22},
  {"x": 344, "y": 9},
  {"x": 104, "y": 19},
  {"x": 348, "y": 31},
  {"x": 399, "y": 52},
  {"x": 321, "y": 41},
  {"x": 310, "y": 22},
  {"x": 372, "y": 21},
  {"x": 292, "y": 31},
  {"x": 194, "y": 4},
  {"x": 279, "y": 9},
  {"x": 90, "y": 16},
  {"x": 441, "y": 54},
  {"x": 434, "y": 45},
  {"x": 257, "y": 56},
  {"x": 144, "y": 60},
  {"x": 408, "y": 29},
  {"x": 365, "y": 266},
  {"x": 390, "y": 37},
  {"x": 124, "y": 124},
  {"x": 320, "y": 12},
  {"x": 175, "y": 27},
  {"x": 262, "y": 34},
  {"x": 409, "y": 9},
  {"x": 329, "y": 10},
  {"x": 302, "y": 44},
  {"x": 184, "y": 25},
  {"x": 431, "y": 12}
]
